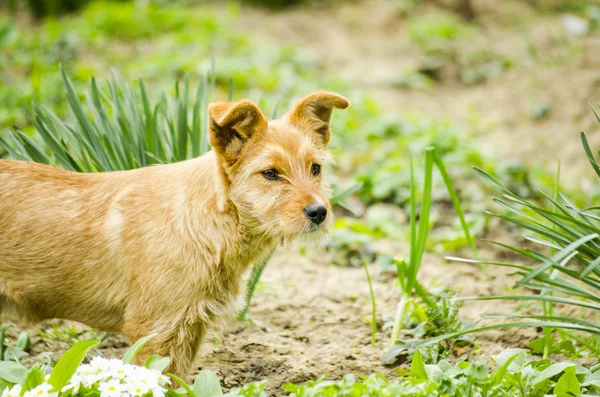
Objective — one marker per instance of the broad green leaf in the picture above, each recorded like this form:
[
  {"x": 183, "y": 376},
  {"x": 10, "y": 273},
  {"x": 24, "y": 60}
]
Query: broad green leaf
[
  {"x": 12, "y": 372},
  {"x": 552, "y": 371},
  {"x": 13, "y": 354},
  {"x": 23, "y": 341},
  {"x": 499, "y": 375},
  {"x": 68, "y": 363},
  {"x": 184, "y": 385},
  {"x": 568, "y": 384},
  {"x": 206, "y": 384},
  {"x": 157, "y": 362},
  {"x": 511, "y": 360},
  {"x": 135, "y": 348},
  {"x": 35, "y": 377},
  {"x": 417, "y": 368}
]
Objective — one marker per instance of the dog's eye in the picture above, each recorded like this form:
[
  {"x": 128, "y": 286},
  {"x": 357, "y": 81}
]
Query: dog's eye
[
  {"x": 315, "y": 169},
  {"x": 271, "y": 174}
]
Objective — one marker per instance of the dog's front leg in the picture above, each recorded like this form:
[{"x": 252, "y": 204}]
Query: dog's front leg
[{"x": 179, "y": 341}]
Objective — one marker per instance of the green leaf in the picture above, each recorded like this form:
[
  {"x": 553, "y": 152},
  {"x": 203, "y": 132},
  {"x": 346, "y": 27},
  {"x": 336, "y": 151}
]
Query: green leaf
[
  {"x": 23, "y": 341},
  {"x": 157, "y": 362},
  {"x": 206, "y": 384},
  {"x": 135, "y": 348},
  {"x": 588, "y": 151},
  {"x": 540, "y": 344},
  {"x": 516, "y": 356},
  {"x": 338, "y": 197},
  {"x": 511, "y": 359},
  {"x": 12, "y": 372},
  {"x": 568, "y": 384},
  {"x": 552, "y": 371},
  {"x": 184, "y": 385},
  {"x": 13, "y": 354},
  {"x": 35, "y": 377},
  {"x": 417, "y": 368},
  {"x": 257, "y": 270},
  {"x": 373, "y": 304},
  {"x": 456, "y": 202},
  {"x": 68, "y": 363},
  {"x": 395, "y": 352}
]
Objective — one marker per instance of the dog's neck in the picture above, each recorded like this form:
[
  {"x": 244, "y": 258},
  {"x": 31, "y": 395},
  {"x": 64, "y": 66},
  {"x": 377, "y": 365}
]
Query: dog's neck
[{"x": 248, "y": 243}]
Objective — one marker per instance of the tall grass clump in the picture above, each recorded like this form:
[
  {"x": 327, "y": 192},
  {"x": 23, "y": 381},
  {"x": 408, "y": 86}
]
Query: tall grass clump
[
  {"x": 408, "y": 271},
  {"x": 121, "y": 129},
  {"x": 564, "y": 248}
]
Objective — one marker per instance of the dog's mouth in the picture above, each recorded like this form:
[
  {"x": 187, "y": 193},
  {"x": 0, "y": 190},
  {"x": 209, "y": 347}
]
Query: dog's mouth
[{"x": 314, "y": 228}]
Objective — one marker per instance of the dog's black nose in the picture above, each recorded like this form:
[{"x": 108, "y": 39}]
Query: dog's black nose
[{"x": 316, "y": 213}]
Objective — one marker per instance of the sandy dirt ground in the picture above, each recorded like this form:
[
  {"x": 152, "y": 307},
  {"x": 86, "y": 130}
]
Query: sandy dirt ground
[{"x": 310, "y": 318}]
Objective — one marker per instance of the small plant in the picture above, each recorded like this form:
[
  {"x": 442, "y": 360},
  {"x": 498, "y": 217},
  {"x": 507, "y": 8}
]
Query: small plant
[
  {"x": 16, "y": 352},
  {"x": 514, "y": 376},
  {"x": 408, "y": 271},
  {"x": 373, "y": 305},
  {"x": 566, "y": 250},
  {"x": 109, "y": 377},
  {"x": 65, "y": 333},
  {"x": 120, "y": 130},
  {"x": 435, "y": 31}
]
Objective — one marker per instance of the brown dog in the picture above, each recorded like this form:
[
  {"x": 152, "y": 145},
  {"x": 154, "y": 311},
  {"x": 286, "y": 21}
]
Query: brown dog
[{"x": 162, "y": 249}]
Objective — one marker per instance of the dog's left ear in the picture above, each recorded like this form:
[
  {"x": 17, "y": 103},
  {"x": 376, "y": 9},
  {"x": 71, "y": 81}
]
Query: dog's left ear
[
  {"x": 231, "y": 125},
  {"x": 313, "y": 113}
]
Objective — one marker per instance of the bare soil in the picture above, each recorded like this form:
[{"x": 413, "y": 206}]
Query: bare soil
[{"x": 310, "y": 318}]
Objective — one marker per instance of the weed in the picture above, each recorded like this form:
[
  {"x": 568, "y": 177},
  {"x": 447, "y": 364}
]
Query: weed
[
  {"x": 435, "y": 31},
  {"x": 373, "y": 305},
  {"x": 68, "y": 333},
  {"x": 408, "y": 271},
  {"x": 567, "y": 252},
  {"x": 514, "y": 375}
]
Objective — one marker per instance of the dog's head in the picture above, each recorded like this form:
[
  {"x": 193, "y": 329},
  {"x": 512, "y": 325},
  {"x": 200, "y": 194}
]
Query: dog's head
[{"x": 272, "y": 170}]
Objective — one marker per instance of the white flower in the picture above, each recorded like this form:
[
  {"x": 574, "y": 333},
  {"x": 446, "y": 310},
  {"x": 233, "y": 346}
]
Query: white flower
[
  {"x": 112, "y": 388},
  {"x": 143, "y": 379},
  {"x": 136, "y": 389},
  {"x": 15, "y": 391},
  {"x": 99, "y": 364},
  {"x": 42, "y": 390},
  {"x": 113, "y": 378},
  {"x": 158, "y": 392},
  {"x": 163, "y": 380}
]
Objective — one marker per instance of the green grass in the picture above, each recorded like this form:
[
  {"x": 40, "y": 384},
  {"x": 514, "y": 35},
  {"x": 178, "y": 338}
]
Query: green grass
[
  {"x": 120, "y": 129},
  {"x": 564, "y": 248},
  {"x": 515, "y": 375},
  {"x": 408, "y": 271}
]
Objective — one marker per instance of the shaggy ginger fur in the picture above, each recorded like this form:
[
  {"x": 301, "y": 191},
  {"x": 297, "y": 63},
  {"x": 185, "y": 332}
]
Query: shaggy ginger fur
[{"x": 162, "y": 249}]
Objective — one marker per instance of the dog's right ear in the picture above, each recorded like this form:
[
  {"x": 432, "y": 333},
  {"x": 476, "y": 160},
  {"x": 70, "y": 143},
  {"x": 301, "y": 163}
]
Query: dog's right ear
[{"x": 231, "y": 125}]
